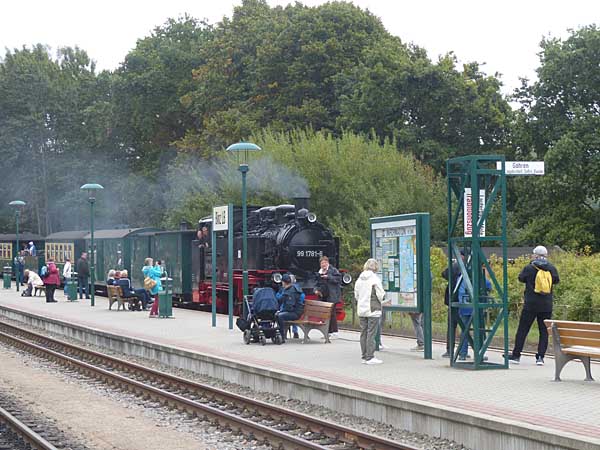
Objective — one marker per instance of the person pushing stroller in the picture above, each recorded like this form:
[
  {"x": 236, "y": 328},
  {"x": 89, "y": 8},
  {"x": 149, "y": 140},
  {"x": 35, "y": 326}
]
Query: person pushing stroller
[{"x": 291, "y": 306}]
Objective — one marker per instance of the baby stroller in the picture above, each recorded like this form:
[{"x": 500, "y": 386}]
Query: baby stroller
[{"x": 259, "y": 323}]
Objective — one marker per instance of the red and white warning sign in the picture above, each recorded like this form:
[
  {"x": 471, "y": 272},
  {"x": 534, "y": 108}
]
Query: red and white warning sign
[{"x": 468, "y": 212}]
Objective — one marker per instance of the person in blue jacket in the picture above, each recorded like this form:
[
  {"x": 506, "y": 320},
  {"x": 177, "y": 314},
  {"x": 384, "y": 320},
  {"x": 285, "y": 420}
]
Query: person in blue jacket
[
  {"x": 465, "y": 313},
  {"x": 291, "y": 301},
  {"x": 154, "y": 272}
]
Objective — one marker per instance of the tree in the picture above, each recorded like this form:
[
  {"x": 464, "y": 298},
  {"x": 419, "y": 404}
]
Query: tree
[
  {"x": 432, "y": 110},
  {"x": 276, "y": 67},
  {"x": 148, "y": 88},
  {"x": 558, "y": 122}
]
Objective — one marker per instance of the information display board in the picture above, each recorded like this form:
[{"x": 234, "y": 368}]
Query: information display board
[
  {"x": 396, "y": 252},
  {"x": 400, "y": 244}
]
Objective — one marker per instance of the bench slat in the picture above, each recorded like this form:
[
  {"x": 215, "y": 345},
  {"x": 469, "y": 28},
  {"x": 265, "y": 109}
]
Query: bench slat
[
  {"x": 569, "y": 332},
  {"x": 573, "y": 340},
  {"x": 573, "y": 325},
  {"x": 582, "y": 351}
]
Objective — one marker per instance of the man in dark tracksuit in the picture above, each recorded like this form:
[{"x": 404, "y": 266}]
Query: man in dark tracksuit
[
  {"x": 537, "y": 306},
  {"x": 291, "y": 307}
]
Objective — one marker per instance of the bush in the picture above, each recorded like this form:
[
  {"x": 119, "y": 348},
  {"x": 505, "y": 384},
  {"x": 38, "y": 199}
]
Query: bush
[{"x": 576, "y": 297}]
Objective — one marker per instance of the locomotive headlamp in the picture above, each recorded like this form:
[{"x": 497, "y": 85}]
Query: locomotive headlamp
[
  {"x": 312, "y": 217},
  {"x": 346, "y": 278},
  {"x": 276, "y": 277}
]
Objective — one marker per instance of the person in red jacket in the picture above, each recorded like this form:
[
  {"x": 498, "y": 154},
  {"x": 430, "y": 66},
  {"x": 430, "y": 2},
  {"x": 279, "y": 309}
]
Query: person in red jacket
[{"x": 51, "y": 281}]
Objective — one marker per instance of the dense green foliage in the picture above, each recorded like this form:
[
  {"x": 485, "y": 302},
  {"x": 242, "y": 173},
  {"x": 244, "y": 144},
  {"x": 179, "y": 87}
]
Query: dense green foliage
[
  {"x": 576, "y": 297},
  {"x": 559, "y": 123},
  {"x": 351, "y": 179}
]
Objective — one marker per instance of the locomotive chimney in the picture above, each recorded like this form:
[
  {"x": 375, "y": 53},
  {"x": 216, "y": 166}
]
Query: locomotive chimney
[{"x": 300, "y": 202}]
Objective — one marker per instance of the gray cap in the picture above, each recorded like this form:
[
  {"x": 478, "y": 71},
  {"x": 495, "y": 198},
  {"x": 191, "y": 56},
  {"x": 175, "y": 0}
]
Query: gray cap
[{"x": 540, "y": 250}]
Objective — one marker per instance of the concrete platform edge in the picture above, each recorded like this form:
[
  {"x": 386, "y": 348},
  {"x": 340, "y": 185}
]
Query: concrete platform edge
[{"x": 473, "y": 430}]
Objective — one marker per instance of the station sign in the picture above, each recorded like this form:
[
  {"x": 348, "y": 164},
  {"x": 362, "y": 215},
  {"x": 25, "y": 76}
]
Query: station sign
[
  {"x": 468, "y": 212},
  {"x": 220, "y": 218},
  {"x": 522, "y": 167}
]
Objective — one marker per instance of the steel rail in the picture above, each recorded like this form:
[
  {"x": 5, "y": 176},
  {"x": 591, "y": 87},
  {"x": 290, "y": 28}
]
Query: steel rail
[
  {"x": 258, "y": 408},
  {"x": 34, "y": 440}
]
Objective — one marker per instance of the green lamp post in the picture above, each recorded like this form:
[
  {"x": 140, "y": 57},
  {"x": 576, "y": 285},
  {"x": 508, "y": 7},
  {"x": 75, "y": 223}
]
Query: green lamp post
[
  {"x": 17, "y": 204},
  {"x": 241, "y": 149},
  {"x": 91, "y": 189}
]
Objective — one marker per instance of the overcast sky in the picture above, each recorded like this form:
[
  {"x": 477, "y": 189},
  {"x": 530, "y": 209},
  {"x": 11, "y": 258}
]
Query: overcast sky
[{"x": 504, "y": 35}]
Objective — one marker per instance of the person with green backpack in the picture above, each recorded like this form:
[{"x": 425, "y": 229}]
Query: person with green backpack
[{"x": 539, "y": 277}]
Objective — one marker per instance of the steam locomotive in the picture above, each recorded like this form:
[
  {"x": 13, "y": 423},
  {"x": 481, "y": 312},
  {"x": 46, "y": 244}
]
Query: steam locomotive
[{"x": 283, "y": 238}]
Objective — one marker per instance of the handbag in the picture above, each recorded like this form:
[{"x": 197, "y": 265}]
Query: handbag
[{"x": 149, "y": 283}]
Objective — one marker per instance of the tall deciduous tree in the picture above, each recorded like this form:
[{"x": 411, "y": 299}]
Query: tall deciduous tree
[
  {"x": 559, "y": 122},
  {"x": 148, "y": 87}
]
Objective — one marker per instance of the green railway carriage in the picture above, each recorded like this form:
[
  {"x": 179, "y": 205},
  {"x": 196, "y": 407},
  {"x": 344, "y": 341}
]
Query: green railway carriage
[
  {"x": 174, "y": 249},
  {"x": 8, "y": 250},
  {"x": 113, "y": 250},
  {"x": 65, "y": 244},
  {"x": 141, "y": 248}
]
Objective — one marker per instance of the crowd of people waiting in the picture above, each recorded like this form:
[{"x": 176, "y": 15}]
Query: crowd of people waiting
[
  {"x": 49, "y": 279},
  {"x": 146, "y": 296}
]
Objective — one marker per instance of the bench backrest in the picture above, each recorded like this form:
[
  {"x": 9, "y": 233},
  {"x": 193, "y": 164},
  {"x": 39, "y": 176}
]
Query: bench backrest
[
  {"x": 317, "y": 311},
  {"x": 570, "y": 333},
  {"x": 115, "y": 292}
]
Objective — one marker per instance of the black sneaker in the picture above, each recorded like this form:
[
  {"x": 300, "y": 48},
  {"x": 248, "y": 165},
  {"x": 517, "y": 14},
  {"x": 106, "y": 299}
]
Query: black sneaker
[
  {"x": 539, "y": 361},
  {"x": 514, "y": 359}
]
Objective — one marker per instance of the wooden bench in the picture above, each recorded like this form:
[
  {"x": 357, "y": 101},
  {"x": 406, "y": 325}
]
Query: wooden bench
[
  {"x": 41, "y": 289},
  {"x": 316, "y": 316},
  {"x": 115, "y": 294},
  {"x": 574, "y": 340}
]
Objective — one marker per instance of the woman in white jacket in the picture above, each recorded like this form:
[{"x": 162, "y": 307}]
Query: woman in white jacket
[
  {"x": 369, "y": 295},
  {"x": 67, "y": 273}
]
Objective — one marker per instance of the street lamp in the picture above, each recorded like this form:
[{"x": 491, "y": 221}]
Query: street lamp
[
  {"x": 241, "y": 149},
  {"x": 17, "y": 204},
  {"x": 91, "y": 188}
]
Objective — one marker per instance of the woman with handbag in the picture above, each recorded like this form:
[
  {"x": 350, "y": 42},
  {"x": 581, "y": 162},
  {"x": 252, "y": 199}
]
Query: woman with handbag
[{"x": 152, "y": 274}]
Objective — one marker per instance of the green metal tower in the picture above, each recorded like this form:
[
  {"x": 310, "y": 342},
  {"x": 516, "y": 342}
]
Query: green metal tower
[{"x": 476, "y": 187}]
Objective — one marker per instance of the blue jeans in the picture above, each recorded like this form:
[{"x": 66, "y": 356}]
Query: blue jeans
[
  {"x": 82, "y": 285},
  {"x": 66, "y": 281},
  {"x": 282, "y": 318},
  {"x": 464, "y": 347}
]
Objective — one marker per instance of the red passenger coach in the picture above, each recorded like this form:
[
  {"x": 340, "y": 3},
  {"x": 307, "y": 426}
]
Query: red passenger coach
[{"x": 281, "y": 239}]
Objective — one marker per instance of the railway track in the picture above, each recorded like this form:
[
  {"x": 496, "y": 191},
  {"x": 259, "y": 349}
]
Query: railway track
[
  {"x": 279, "y": 427},
  {"x": 19, "y": 433}
]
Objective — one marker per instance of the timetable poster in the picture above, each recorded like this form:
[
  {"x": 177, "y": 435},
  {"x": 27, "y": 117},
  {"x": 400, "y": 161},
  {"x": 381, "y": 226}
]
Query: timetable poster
[{"x": 395, "y": 251}]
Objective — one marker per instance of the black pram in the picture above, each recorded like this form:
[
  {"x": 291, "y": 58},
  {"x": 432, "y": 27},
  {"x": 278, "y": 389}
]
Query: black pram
[{"x": 259, "y": 323}]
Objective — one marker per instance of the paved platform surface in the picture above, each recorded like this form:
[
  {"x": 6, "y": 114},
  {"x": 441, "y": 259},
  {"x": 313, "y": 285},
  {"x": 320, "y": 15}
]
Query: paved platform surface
[{"x": 524, "y": 393}]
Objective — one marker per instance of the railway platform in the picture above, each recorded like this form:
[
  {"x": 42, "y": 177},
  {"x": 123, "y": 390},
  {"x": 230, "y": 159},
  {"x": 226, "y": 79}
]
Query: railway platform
[{"x": 520, "y": 408}]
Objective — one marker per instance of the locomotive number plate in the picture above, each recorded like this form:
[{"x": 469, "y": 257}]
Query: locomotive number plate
[{"x": 309, "y": 253}]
